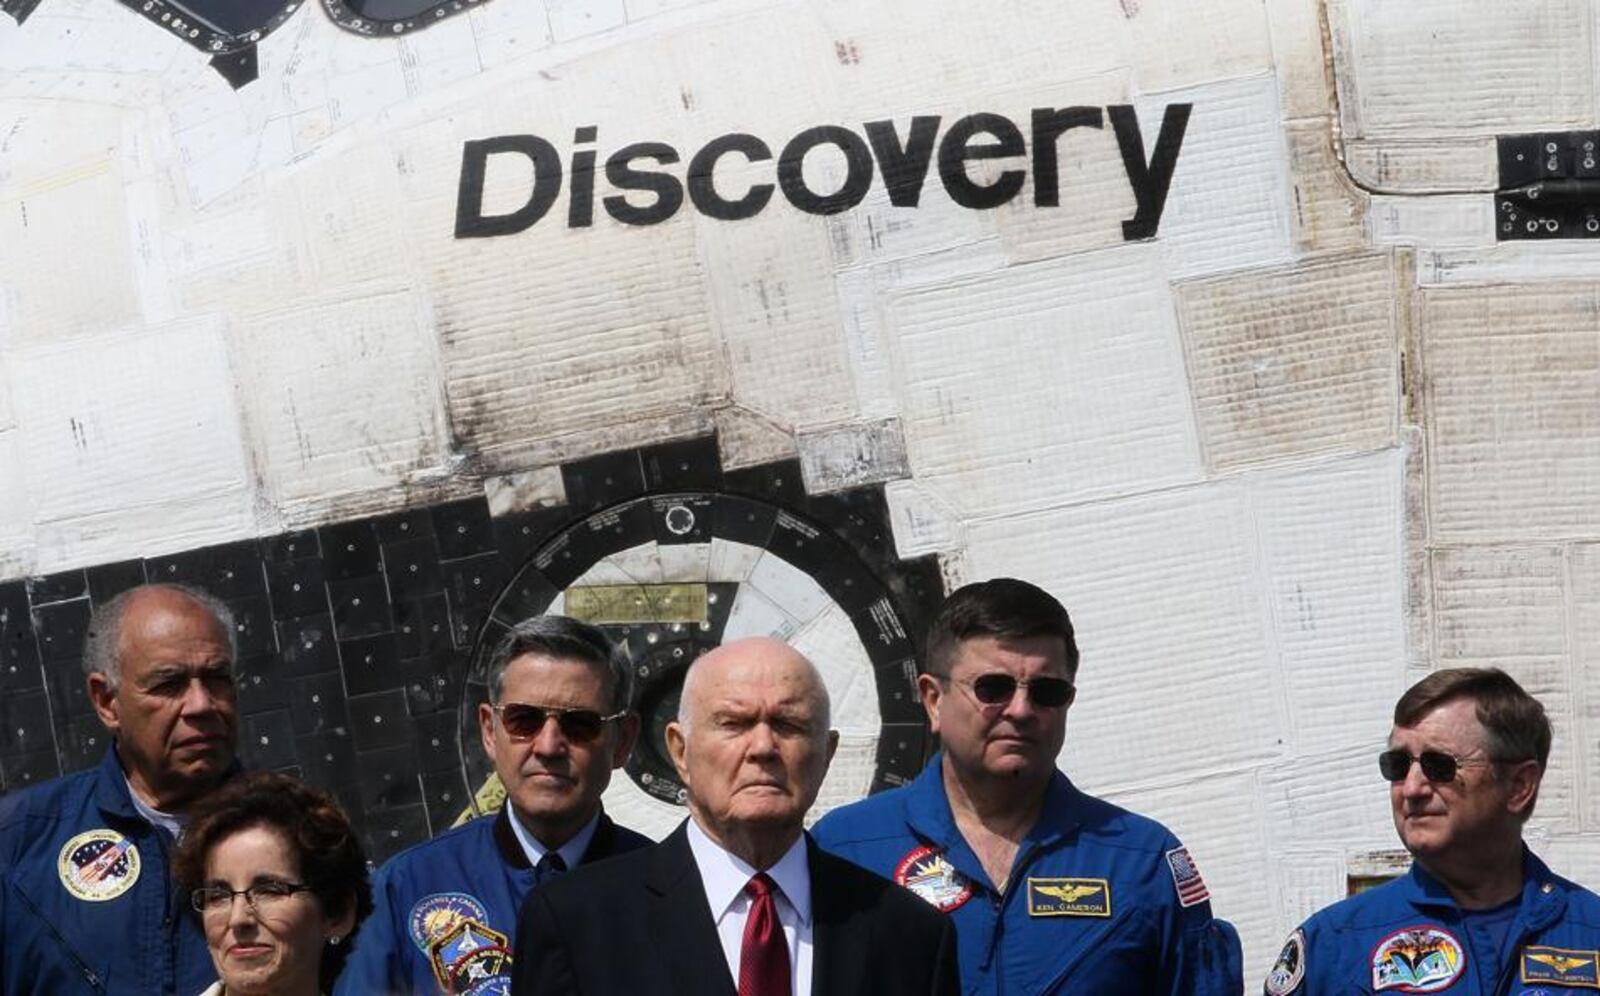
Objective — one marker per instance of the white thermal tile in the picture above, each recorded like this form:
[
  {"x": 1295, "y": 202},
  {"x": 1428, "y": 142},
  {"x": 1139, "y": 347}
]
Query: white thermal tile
[
  {"x": 1166, "y": 596},
  {"x": 849, "y": 776},
  {"x": 637, "y": 565},
  {"x": 1437, "y": 222},
  {"x": 1512, "y": 411},
  {"x": 1306, "y": 881},
  {"x": 16, "y": 508},
  {"x": 1228, "y": 208},
  {"x": 1294, "y": 362},
  {"x": 1423, "y": 167},
  {"x": 790, "y": 588},
  {"x": 775, "y": 313},
  {"x": 748, "y": 439},
  {"x": 685, "y": 562},
  {"x": 1500, "y": 602},
  {"x": 1512, "y": 262},
  {"x": 1220, "y": 820},
  {"x": 754, "y": 614},
  {"x": 1583, "y": 729},
  {"x": 923, "y": 522},
  {"x": 506, "y": 32},
  {"x": 1177, "y": 43},
  {"x": 1046, "y": 383},
  {"x": 1295, "y": 29},
  {"x": 571, "y": 19},
  {"x": 51, "y": 287},
  {"x": 131, "y": 445},
  {"x": 1440, "y": 68},
  {"x": 1333, "y": 801},
  {"x": 1573, "y": 856},
  {"x": 1328, "y": 208},
  {"x": 342, "y": 399},
  {"x": 732, "y": 561},
  {"x": 635, "y": 809},
  {"x": 1335, "y": 576},
  {"x": 851, "y": 456},
  {"x": 542, "y": 488},
  {"x": 861, "y": 321},
  {"x": 830, "y": 642}
]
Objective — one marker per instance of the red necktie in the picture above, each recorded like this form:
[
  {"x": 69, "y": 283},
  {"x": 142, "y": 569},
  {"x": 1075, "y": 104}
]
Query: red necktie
[{"x": 764, "y": 954}]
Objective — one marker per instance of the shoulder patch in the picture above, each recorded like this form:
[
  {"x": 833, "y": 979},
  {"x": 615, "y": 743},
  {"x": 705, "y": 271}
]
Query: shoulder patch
[
  {"x": 1186, "y": 877},
  {"x": 1290, "y": 968},
  {"x": 931, "y": 876},
  {"x": 436, "y": 915},
  {"x": 472, "y": 959},
  {"x": 1069, "y": 897},
  {"x": 98, "y": 865},
  {"x": 1421, "y": 959},
  {"x": 1561, "y": 967}
]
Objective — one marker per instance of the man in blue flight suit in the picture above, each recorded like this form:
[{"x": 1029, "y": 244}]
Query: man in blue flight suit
[
  {"x": 1051, "y": 890},
  {"x": 556, "y": 724},
  {"x": 86, "y": 901},
  {"x": 1477, "y": 914}
]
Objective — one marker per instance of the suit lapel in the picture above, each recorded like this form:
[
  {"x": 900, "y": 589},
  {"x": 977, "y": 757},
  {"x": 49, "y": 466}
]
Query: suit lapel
[
  {"x": 681, "y": 922},
  {"x": 841, "y": 946}
]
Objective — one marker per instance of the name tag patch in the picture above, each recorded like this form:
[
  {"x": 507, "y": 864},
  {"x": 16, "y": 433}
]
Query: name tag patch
[
  {"x": 1423, "y": 959},
  {"x": 98, "y": 866},
  {"x": 1561, "y": 967},
  {"x": 1069, "y": 897},
  {"x": 930, "y": 874}
]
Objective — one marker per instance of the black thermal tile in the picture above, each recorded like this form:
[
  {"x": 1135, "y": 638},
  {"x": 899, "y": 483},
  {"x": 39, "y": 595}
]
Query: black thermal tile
[
  {"x": 682, "y": 519},
  {"x": 380, "y": 720},
  {"x": 412, "y": 568},
  {"x": 328, "y": 760},
  {"x": 898, "y": 698},
  {"x": 388, "y": 831},
  {"x": 83, "y": 742},
  {"x": 229, "y": 571},
  {"x": 371, "y": 664},
  {"x": 60, "y": 628},
  {"x": 463, "y": 528},
  {"x": 296, "y": 587},
  {"x": 25, "y": 723},
  {"x": 465, "y": 622},
  {"x": 263, "y": 685},
  {"x": 607, "y": 479},
  {"x": 350, "y": 550},
  {"x": 306, "y": 645},
  {"x": 778, "y": 483},
  {"x": 57, "y": 587},
  {"x": 446, "y": 797},
  {"x": 901, "y": 750},
  {"x": 438, "y": 741},
  {"x": 743, "y": 520},
  {"x": 266, "y": 740},
  {"x": 689, "y": 465},
  {"x": 859, "y": 518},
  {"x": 402, "y": 526},
  {"x": 422, "y": 626},
  {"x": 64, "y": 682},
  {"x": 618, "y": 528},
  {"x": 252, "y": 626},
  {"x": 317, "y": 703},
  {"x": 528, "y": 594},
  {"x": 17, "y": 642},
  {"x": 433, "y": 684},
  {"x": 291, "y": 546},
  {"x": 388, "y": 778},
  {"x": 360, "y": 607},
  {"x": 473, "y": 580},
  {"x": 21, "y": 771},
  {"x": 110, "y": 580},
  {"x": 21, "y": 671},
  {"x": 565, "y": 558},
  {"x": 518, "y": 535}
]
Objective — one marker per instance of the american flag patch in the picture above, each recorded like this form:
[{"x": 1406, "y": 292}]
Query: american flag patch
[{"x": 1186, "y": 877}]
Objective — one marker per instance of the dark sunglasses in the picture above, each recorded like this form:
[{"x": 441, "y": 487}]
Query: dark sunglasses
[
  {"x": 523, "y": 722},
  {"x": 1437, "y": 766},
  {"x": 998, "y": 688}
]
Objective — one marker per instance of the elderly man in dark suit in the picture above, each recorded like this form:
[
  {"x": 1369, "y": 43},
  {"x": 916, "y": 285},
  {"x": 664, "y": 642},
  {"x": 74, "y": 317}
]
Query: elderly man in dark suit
[{"x": 738, "y": 899}]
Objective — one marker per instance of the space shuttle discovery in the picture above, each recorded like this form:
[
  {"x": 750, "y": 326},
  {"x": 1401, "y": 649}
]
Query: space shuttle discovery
[{"x": 1262, "y": 334}]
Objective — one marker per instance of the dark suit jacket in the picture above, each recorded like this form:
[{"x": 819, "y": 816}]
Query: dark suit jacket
[{"x": 639, "y": 925}]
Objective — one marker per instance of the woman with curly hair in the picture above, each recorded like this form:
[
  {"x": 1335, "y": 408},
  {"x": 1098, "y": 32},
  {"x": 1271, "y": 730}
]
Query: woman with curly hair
[{"x": 278, "y": 879}]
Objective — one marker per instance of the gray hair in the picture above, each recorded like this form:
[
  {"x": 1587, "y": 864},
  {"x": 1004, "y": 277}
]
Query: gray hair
[
  {"x": 823, "y": 703},
  {"x": 104, "y": 636},
  {"x": 568, "y": 639}
]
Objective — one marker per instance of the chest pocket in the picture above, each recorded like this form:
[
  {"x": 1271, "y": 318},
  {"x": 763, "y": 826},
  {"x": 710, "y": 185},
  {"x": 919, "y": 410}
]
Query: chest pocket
[{"x": 1088, "y": 954}]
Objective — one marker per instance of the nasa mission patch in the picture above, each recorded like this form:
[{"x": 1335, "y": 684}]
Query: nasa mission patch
[
  {"x": 1422, "y": 959},
  {"x": 1290, "y": 968},
  {"x": 435, "y": 916},
  {"x": 98, "y": 865},
  {"x": 930, "y": 875}
]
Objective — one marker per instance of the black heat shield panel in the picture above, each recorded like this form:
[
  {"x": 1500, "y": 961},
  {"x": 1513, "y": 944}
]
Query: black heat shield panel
[
  {"x": 378, "y": 18},
  {"x": 1549, "y": 186}
]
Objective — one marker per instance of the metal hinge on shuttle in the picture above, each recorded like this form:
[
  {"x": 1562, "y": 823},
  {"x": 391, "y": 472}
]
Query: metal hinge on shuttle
[{"x": 1549, "y": 186}]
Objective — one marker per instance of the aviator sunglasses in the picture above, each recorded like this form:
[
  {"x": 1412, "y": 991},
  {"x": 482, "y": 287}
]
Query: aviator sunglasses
[
  {"x": 997, "y": 688},
  {"x": 523, "y": 721},
  {"x": 1437, "y": 766}
]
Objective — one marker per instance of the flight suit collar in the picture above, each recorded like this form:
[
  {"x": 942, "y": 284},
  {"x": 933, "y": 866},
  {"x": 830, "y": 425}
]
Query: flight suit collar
[
  {"x": 114, "y": 798},
  {"x": 929, "y": 815},
  {"x": 1543, "y": 899}
]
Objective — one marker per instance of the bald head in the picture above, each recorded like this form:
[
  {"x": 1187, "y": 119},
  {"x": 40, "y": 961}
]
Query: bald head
[
  {"x": 751, "y": 745},
  {"x": 148, "y": 604},
  {"x": 751, "y": 655}
]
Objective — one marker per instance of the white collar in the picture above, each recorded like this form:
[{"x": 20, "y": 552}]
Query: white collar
[
  {"x": 571, "y": 852},
  {"x": 155, "y": 817},
  {"x": 725, "y": 874}
]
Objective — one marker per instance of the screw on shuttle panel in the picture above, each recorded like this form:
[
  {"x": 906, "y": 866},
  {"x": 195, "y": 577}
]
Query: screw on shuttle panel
[{"x": 1549, "y": 186}]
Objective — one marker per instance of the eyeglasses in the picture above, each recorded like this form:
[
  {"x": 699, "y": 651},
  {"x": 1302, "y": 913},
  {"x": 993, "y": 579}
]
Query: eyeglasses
[
  {"x": 1437, "y": 765},
  {"x": 265, "y": 898},
  {"x": 523, "y": 721},
  {"x": 997, "y": 688}
]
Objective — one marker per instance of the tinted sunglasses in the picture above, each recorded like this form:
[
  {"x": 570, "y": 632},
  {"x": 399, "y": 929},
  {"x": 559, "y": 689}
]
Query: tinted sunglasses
[
  {"x": 523, "y": 722},
  {"x": 1437, "y": 766},
  {"x": 997, "y": 688}
]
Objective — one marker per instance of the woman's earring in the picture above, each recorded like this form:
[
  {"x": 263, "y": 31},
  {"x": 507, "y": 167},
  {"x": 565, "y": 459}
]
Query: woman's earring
[{"x": 335, "y": 939}]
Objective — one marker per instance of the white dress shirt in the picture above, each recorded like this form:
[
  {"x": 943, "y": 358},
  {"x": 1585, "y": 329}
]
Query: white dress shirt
[
  {"x": 724, "y": 877},
  {"x": 571, "y": 852}
]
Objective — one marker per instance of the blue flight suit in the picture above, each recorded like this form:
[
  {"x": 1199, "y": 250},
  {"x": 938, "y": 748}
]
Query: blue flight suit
[
  {"x": 1409, "y": 936},
  {"x": 87, "y": 903},
  {"x": 444, "y": 914},
  {"x": 1099, "y": 901}
]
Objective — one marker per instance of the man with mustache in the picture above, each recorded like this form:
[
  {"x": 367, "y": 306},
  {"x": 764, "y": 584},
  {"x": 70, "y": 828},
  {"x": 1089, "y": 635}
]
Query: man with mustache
[
  {"x": 86, "y": 902},
  {"x": 1477, "y": 912},
  {"x": 557, "y": 723},
  {"x": 1051, "y": 890}
]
